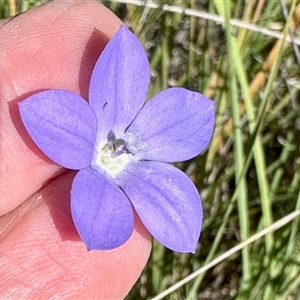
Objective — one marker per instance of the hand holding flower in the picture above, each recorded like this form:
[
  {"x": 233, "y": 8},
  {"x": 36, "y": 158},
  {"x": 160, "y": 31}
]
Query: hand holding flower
[
  {"x": 121, "y": 153},
  {"x": 41, "y": 254}
]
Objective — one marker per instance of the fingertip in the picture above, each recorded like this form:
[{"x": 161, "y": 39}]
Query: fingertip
[
  {"x": 52, "y": 46},
  {"x": 59, "y": 264}
]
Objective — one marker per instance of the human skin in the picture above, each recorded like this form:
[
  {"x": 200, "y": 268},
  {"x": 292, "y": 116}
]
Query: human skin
[{"x": 41, "y": 255}]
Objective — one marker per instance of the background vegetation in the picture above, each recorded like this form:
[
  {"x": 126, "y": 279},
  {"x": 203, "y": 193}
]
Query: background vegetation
[{"x": 245, "y": 56}]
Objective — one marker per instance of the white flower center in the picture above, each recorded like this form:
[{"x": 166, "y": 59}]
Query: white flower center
[{"x": 114, "y": 154}]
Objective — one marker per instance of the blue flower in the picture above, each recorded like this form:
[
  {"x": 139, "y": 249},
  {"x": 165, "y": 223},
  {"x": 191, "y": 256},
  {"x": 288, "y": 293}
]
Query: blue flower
[{"x": 122, "y": 148}]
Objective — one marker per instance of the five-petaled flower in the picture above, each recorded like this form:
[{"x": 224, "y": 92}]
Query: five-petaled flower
[{"x": 123, "y": 147}]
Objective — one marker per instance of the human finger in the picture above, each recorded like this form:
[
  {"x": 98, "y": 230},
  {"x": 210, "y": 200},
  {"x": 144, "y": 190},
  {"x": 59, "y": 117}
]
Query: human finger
[{"x": 52, "y": 46}]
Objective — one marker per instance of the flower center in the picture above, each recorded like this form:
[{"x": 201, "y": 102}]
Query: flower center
[{"x": 114, "y": 154}]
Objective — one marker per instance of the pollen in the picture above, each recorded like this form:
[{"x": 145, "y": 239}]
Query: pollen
[{"x": 113, "y": 154}]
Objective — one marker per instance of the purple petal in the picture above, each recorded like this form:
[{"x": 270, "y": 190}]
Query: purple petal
[
  {"x": 176, "y": 125},
  {"x": 62, "y": 125},
  {"x": 119, "y": 82},
  {"x": 101, "y": 212},
  {"x": 167, "y": 202}
]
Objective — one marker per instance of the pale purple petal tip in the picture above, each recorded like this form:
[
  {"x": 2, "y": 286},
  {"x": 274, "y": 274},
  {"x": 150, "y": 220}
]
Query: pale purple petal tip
[
  {"x": 167, "y": 202},
  {"x": 119, "y": 82},
  {"x": 175, "y": 125},
  {"x": 62, "y": 125},
  {"x": 101, "y": 212}
]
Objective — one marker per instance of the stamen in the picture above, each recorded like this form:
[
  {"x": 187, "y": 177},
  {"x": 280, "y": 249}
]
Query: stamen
[{"x": 115, "y": 153}]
